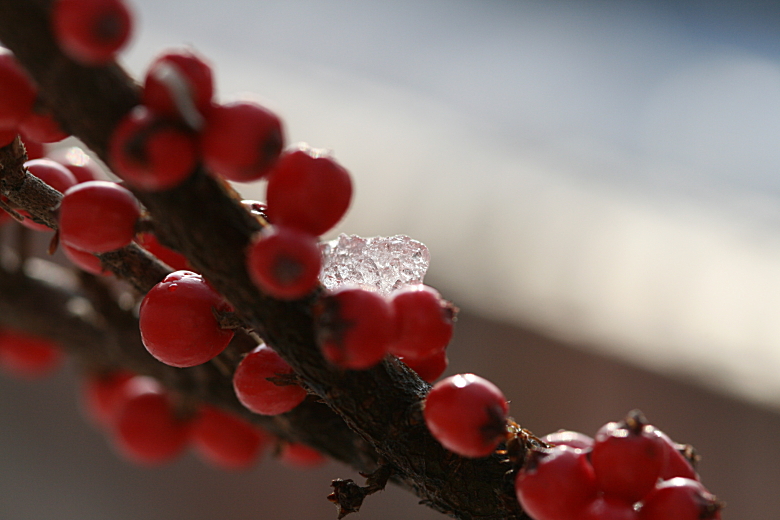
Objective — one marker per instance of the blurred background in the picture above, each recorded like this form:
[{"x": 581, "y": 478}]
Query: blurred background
[{"x": 598, "y": 183}]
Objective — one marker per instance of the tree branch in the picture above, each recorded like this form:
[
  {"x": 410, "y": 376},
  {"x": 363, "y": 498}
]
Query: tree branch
[{"x": 204, "y": 220}]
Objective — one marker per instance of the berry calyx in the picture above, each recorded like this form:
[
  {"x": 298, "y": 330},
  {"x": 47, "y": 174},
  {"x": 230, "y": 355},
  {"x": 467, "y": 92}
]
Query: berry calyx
[
  {"x": 423, "y": 320},
  {"x": 264, "y": 383},
  {"x": 241, "y": 141},
  {"x": 27, "y": 356},
  {"x": 179, "y": 84},
  {"x": 147, "y": 429},
  {"x": 225, "y": 440},
  {"x": 354, "y": 327},
  {"x": 556, "y": 484},
  {"x": 178, "y": 323},
  {"x": 284, "y": 262},
  {"x": 141, "y": 151},
  {"x": 98, "y": 216},
  {"x": 308, "y": 190},
  {"x": 466, "y": 414},
  {"x": 91, "y": 31},
  {"x": 628, "y": 457},
  {"x": 17, "y": 92}
]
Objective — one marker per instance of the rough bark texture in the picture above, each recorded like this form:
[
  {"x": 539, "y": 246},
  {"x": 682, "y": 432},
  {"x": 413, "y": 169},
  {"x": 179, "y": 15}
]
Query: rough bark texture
[{"x": 377, "y": 411}]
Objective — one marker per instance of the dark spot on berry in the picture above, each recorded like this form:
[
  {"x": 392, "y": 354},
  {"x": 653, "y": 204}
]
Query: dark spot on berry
[
  {"x": 109, "y": 28},
  {"x": 495, "y": 425},
  {"x": 135, "y": 147},
  {"x": 331, "y": 326},
  {"x": 270, "y": 149},
  {"x": 287, "y": 270}
]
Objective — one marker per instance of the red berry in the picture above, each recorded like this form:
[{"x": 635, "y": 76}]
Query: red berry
[
  {"x": 174, "y": 259},
  {"x": 308, "y": 190},
  {"x": 466, "y": 414},
  {"x": 677, "y": 464},
  {"x": 605, "y": 508},
  {"x": 301, "y": 456},
  {"x": 34, "y": 149},
  {"x": 41, "y": 128},
  {"x": 146, "y": 428},
  {"x": 255, "y": 388},
  {"x": 152, "y": 153},
  {"x": 78, "y": 163},
  {"x": 178, "y": 323},
  {"x": 179, "y": 84},
  {"x": 17, "y": 92},
  {"x": 4, "y": 217},
  {"x": 628, "y": 457},
  {"x": 7, "y": 137},
  {"x": 84, "y": 260},
  {"x": 28, "y": 356},
  {"x": 284, "y": 262},
  {"x": 680, "y": 499},
  {"x": 556, "y": 484},
  {"x": 241, "y": 141},
  {"x": 431, "y": 368},
  {"x": 91, "y": 31},
  {"x": 98, "y": 216},
  {"x": 53, "y": 174},
  {"x": 354, "y": 327},
  {"x": 569, "y": 438},
  {"x": 102, "y": 393},
  {"x": 423, "y": 320},
  {"x": 226, "y": 440}
]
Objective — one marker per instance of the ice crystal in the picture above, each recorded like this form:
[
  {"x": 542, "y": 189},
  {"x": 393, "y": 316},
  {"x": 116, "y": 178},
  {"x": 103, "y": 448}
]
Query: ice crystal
[{"x": 384, "y": 263}]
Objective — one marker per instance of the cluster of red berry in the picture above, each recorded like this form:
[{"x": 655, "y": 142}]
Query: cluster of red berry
[
  {"x": 95, "y": 216},
  {"x": 357, "y": 328},
  {"x": 630, "y": 471},
  {"x": 20, "y": 111},
  {"x": 149, "y": 426},
  {"x": 90, "y": 32},
  {"x": 143, "y": 419},
  {"x": 307, "y": 194}
]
